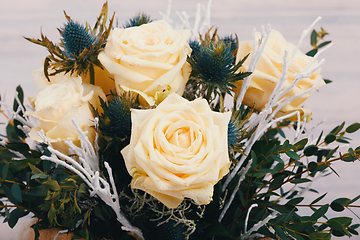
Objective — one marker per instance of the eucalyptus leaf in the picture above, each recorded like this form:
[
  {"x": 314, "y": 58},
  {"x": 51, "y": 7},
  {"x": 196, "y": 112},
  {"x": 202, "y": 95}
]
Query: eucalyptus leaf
[
  {"x": 337, "y": 207},
  {"x": 330, "y": 138},
  {"x": 324, "y": 44},
  {"x": 318, "y": 199},
  {"x": 312, "y": 166},
  {"x": 280, "y": 232},
  {"x": 16, "y": 192},
  {"x": 319, "y": 213},
  {"x": 352, "y": 128},
  {"x": 52, "y": 185},
  {"x": 292, "y": 154},
  {"x": 300, "y": 180},
  {"x": 313, "y": 38}
]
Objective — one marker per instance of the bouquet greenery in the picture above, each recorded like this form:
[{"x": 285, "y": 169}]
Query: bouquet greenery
[{"x": 146, "y": 132}]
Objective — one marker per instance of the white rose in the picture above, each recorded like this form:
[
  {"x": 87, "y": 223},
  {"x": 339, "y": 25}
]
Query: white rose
[
  {"x": 57, "y": 102},
  {"x": 148, "y": 59},
  {"x": 268, "y": 72},
  {"x": 178, "y": 150}
]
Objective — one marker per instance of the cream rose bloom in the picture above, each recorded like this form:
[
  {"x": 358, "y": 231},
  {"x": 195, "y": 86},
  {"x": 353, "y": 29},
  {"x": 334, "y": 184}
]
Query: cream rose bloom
[
  {"x": 268, "y": 72},
  {"x": 178, "y": 150},
  {"x": 148, "y": 59},
  {"x": 58, "y": 101}
]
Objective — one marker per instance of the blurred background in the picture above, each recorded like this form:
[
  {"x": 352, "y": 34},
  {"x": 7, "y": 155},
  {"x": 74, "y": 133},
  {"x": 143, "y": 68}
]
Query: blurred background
[{"x": 333, "y": 104}]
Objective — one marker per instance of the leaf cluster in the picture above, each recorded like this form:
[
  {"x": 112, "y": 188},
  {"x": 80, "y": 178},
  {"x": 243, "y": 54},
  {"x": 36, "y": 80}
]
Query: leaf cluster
[
  {"x": 280, "y": 171},
  {"x": 317, "y": 42}
]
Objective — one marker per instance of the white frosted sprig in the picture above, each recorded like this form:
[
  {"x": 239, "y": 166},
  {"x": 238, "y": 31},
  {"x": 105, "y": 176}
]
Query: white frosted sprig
[
  {"x": 197, "y": 27},
  {"x": 266, "y": 117},
  {"x": 166, "y": 16},
  {"x": 87, "y": 171},
  {"x": 247, "y": 234},
  {"x": 242, "y": 174},
  {"x": 88, "y": 156},
  {"x": 15, "y": 115},
  {"x": 257, "y": 51}
]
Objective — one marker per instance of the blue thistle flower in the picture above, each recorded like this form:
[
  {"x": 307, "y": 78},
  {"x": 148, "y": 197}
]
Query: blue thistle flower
[
  {"x": 236, "y": 130},
  {"x": 115, "y": 122},
  {"x": 232, "y": 41},
  {"x": 75, "y": 39},
  {"x": 233, "y": 133},
  {"x": 213, "y": 64},
  {"x": 78, "y": 49},
  {"x": 138, "y": 20},
  {"x": 195, "y": 46}
]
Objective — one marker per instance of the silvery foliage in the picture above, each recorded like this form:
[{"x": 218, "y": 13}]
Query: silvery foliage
[{"x": 86, "y": 166}]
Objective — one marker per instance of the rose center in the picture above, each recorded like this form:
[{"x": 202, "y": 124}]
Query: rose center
[{"x": 181, "y": 138}]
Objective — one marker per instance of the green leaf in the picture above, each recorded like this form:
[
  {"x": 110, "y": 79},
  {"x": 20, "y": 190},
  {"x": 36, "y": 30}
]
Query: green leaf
[
  {"x": 352, "y": 128},
  {"x": 277, "y": 182},
  {"x": 14, "y": 217},
  {"x": 352, "y": 231},
  {"x": 337, "y": 129},
  {"x": 319, "y": 235},
  {"x": 280, "y": 232},
  {"x": 34, "y": 169},
  {"x": 16, "y": 192},
  {"x": 319, "y": 213},
  {"x": 327, "y": 81},
  {"x": 335, "y": 225},
  {"x": 318, "y": 199},
  {"x": 5, "y": 171},
  {"x": 345, "y": 221},
  {"x": 313, "y": 38},
  {"x": 295, "y": 201},
  {"x": 300, "y": 144},
  {"x": 355, "y": 226},
  {"x": 36, "y": 191},
  {"x": 354, "y": 199},
  {"x": 300, "y": 180},
  {"x": 337, "y": 207},
  {"x": 39, "y": 175},
  {"x": 319, "y": 138},
  {"x": 18, "y": 147},
  {"x": 312, "y": 52},
  {"x": 330, "y": 138},
  {"x": 292, "y": 154},
  {"x": 52, "y": 185},
  {"x": 331, "y": 153},
  {"x": 20, "y": 94},
  {"x": 9, "y": 195},
  {"x": 310, "y": 150},
  {"x": 17, "y": 166},
  {"x": 324, "y": 44},
  {"x": 277, "y": 158},
  {"x": 312, "y": 166},
  {"x": 52, "y": 216}
]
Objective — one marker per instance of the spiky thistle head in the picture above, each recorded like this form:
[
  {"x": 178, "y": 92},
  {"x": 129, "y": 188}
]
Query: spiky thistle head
[
  {"x": 237, "y": 131},
  {"x": 138, "y": 20},
  {"x": 79, "y": 47},
  {"x": 195, "y": 47},
  {"x": 213, "y": 64},
  {"x": 115, "y": 121},
  {"x": 75, "y": 39}
]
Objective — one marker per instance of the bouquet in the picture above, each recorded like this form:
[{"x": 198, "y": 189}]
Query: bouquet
[{"x": 147, "y": 131}]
